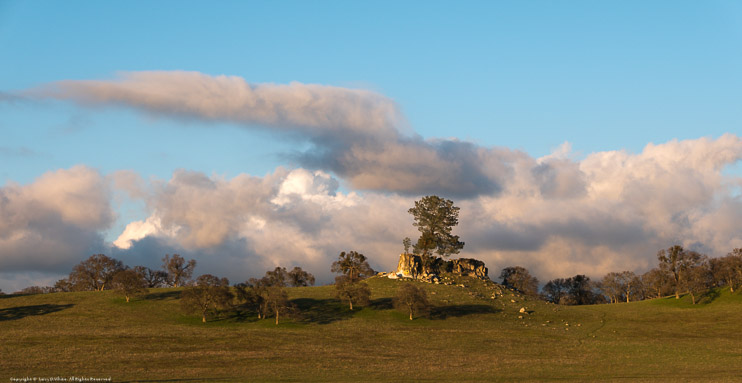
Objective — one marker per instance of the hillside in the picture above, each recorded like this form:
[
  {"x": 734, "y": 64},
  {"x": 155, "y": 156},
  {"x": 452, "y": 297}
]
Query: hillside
[{"x": 468, "y": 337}]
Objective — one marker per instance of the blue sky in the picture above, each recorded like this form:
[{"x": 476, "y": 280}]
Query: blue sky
[
  {"x": 602, "y": 76},
  {"x": 524, "y": 76}
]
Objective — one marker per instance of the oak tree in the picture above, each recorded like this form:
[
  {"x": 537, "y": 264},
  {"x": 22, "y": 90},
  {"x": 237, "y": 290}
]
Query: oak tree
[
  {"x": 95, "y": 273},
  {"x": 412, "y": 300},
  {"x": 677, "y": 261},
  {"x": 352, "y": 292},
  {"x": 209, "y": 294},
  {"x": 520, "y": 279},
  {"x": 299, "y": 277},
  {"x": 129, "y": 283},
  {"x": 153, "y": 278},
  {"x": 178, "y": 270}
]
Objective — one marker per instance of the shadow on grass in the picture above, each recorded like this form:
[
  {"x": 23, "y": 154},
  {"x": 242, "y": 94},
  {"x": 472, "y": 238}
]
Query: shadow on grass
[
  {"x": 162, "y": 296},
  {"x": 322, "y": 311},
  {"x": 381, "y": 304},
  {"x": 710, "y": 296},
  {"x": 443, "y": 312},
  {"x": 13, "y": 313}
]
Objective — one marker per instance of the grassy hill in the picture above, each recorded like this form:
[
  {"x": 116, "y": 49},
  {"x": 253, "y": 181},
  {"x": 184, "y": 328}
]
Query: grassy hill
[{"x": 469, "y": 337}]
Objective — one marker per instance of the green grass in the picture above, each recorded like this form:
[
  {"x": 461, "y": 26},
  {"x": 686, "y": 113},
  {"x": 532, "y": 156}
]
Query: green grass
[{"x": 468, "y": 337}]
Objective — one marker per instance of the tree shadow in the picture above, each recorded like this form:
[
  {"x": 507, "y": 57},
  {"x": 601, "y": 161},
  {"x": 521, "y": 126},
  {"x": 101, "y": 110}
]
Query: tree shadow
[
  {"x": 13, "y": 313},
  {"x": 161, "y": 296},
  {"x": 709, "y": 296},
  {"x": 443, "y": 312},
  {"x": 381, "y": 304},
  {"x": 322, "y": 311}
]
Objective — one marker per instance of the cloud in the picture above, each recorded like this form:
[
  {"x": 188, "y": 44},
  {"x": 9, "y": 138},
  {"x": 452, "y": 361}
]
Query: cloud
[
  {"x": 51, "y": 223},
  {"x": 356, "y": 134},
  {"x": 615, "y": 212}
]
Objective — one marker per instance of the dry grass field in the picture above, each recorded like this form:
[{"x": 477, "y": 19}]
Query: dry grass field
[{"x": 467, "y": 337}]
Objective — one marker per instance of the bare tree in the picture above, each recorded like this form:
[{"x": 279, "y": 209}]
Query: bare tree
[
  {"x": 698, "y": 280},
  {"x": 208, "y": 295},
  {"x": 657, "y": 282},
  {"x": 519, "y": 278},
  {"x": 153, "y": 278},
  {"x": 178, "y": 270},
  {"x": 352, "y": 292},
  {"x": 277, "y": 301},
  {"x": 611, "y": 287},
  {"x": 129, "y": 283},
  {"x": 556, "y": 291},
  {"x": 412, "y": 299},
  {"x": 267, "y": 294},
  {"x": 95, "y": 273},
  {"x": 677, "y": 261},
  {"x": 727, "y": 271}
]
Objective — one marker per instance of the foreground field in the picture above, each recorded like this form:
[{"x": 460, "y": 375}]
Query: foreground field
[{"x": 468, "y": 337}]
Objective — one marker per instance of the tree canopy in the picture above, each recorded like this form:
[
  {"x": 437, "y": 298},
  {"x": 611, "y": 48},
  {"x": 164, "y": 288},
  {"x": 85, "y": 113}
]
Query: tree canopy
[
  {"x": 519, "y": 278},
  {"x": 435, "y": 218},
  {"x": 95, "y": 273},
  {"x": 208, "y": 294},
  {"x": 352, "y": 264},
  {"x": 178, "y": 270}
]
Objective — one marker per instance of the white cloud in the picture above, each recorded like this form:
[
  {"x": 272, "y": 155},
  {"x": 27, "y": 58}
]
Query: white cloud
[
  {"x": 615, "y": 212},
  {"x": 54, "y": 221}
]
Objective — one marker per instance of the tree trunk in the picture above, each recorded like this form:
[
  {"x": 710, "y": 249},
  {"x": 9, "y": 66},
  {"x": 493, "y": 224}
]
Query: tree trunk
[
  {"x": 351, "y": 305},
  {"x": 677, "y": 294},
  {"x": 410, "y": 314},
  {"x": 127, "y": 298},
  {"x": 203, "y": 318},
  {"x": 693, "y": 297},
  {"x": 276, "y": 316}
]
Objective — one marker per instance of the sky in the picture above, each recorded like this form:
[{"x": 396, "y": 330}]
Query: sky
[{"x": 577, "y": 137}]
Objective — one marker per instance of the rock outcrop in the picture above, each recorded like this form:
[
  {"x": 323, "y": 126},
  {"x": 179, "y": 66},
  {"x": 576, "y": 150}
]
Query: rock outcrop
[
  {"x": 468, "y": 267},
  {"x": 411, "y": 266}
]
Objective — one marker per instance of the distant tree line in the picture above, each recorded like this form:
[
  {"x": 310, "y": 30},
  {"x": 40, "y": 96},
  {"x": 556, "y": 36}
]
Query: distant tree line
[{"x": 679, "y": 272}]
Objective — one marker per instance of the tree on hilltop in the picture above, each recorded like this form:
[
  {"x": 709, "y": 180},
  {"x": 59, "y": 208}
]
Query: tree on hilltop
[
  {"x": 178, "y": 270},
  {"x": 435, "y": 218},
  {"x": 352, "y": 292},
  {"x": 129, "y": 283},
  {"x": 95, "y": 273},
  {"x": 349, "y": 289},
  {"x": 209, "y": 294},
  {"x": 727, "y": 270},
  {"x": 352, "y": 264},
  {"x": 656, "y": 283},
  {"x": 153, "y": 278},
  {"x": 299, "y": 277},
  {"x": 677, "y": 262},
  {"x": 519, "y": 278},
  {"x": 268, "y": 296}
]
